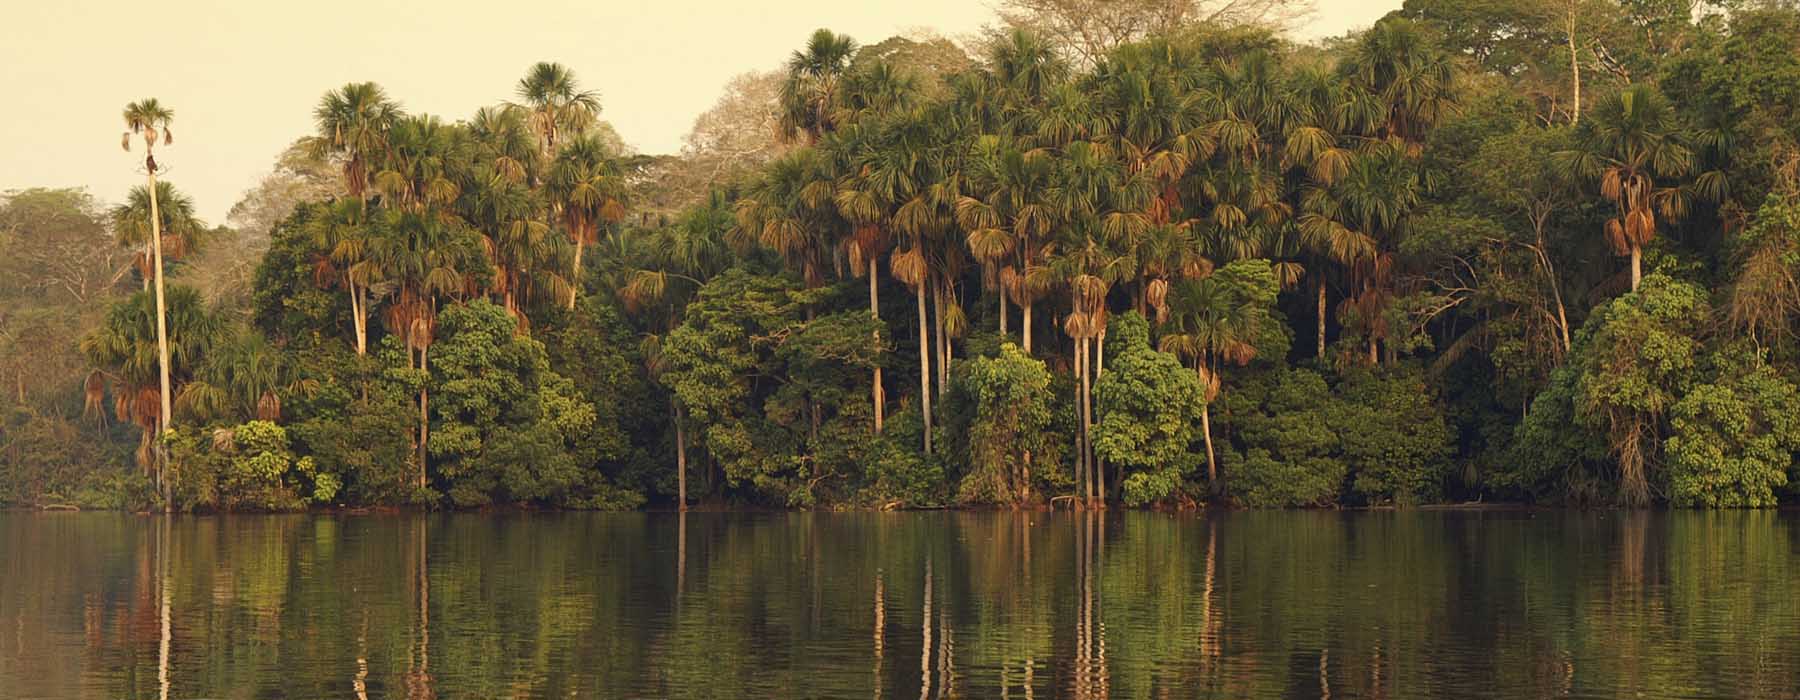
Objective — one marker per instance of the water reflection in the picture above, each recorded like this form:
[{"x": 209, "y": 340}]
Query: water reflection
[{"x": 933, "y": 605}]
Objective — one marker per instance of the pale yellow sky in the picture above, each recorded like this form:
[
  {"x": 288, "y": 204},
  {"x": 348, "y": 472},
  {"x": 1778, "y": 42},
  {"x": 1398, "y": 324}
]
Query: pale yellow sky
[{"x": 243, "y": 75}]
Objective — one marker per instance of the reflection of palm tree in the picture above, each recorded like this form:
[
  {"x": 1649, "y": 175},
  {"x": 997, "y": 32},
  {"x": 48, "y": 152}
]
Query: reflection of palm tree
[
  {"x": 163, "y": 603},
  {"x": 418, "y": 680}
]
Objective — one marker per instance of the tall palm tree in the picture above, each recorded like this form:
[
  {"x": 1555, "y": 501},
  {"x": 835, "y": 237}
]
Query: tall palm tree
[
  {"x": 1405, "y": 82},
  {"x": 427, "y": 256},
  {"x": 341, "y": 235},
  {"x": 353, "y": 123},
  {"x": 672, "y": 264},
  {"x": 1631, "y": 140},
  {"x": 1314, "y": 132},
  {"x": 1215, "y": 320},
  {"x": 809, "y": 94},
  {"x": 555, "y": 104},
  {"x": 587, "y": 187},
  {"x": 150, "y": 120},
  {"x": 1005, "y": 211}
]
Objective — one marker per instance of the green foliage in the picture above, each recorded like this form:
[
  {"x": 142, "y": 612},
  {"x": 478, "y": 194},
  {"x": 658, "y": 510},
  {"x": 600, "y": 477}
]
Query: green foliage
[
  {"x": 1287, "y": 452},
  {"x": 1149, "y": 407},
  {"x": 245, "y": 467},
  {"x": 354, "y": 423},
  {"x": 505, "y": 427},
  {"x": 1394, "y": 438},
  {"x": 1733, "y": 439},
  {"x": 1009, "y": 434}
]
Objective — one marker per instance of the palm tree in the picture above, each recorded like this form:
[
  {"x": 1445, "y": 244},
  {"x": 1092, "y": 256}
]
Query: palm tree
[
  {"x": 1632, "y": 139},
  {"x": 242, "y": 376},
  {"x": 427, "y": 255},
  {"x": 138, "y": 363},
  {"x": 353, "y": 123},
  {"x": 424, "y": 164},
  {"x": 1313, "y": 154},
  {"x": 341, "y": 235},
  {"x": 180, "y": 230},
  {"x": 1405, "y": 83},
  {"x": 1005, "y": 212},
  {"x": 555, "y": 104},
  {"x": 587, "y": 187},
  {"x": 675, "y": 261},
  {"x": 809, "y": 94},
  {"x": 150, "y": 120},
  {"x": 1215, "y": 320}
]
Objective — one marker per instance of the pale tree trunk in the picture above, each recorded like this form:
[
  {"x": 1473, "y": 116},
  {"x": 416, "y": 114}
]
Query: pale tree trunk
[
  {"x": 1637, "y": 267},
  {"x": 359, "y": 314},
  {"x": 1002, "y": 296},
  {"x": 1212, "y": 469},
  {"x": 1026, "y": 327},
  {"x": 162, "y": 334},
  {"x": 1087, "y": 458},
  {"x": 1081, "y": 473},
  {"x": 1099, "y": 371},
  {"x": 943, "y": 354},
  {"x": 424, "y": 416},
  {"x": 1574, "y": 67},
  {"x": 1562, "y": 314},
  {"x": 1087, "y": 423},
  {"x": 575, "y": 281},
  {"x": 875, "y": 392},
  {"x": 924, "y": 365}
]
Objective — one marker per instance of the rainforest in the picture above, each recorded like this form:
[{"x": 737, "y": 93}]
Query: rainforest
[{"x": 1535, "y": 253}]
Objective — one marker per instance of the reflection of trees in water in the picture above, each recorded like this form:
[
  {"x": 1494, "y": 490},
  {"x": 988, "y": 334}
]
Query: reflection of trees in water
[
  {"x": 1021, "y": 605},
  {"x": 1092, "y": 679},
  {"x": 418, "y": 653}
]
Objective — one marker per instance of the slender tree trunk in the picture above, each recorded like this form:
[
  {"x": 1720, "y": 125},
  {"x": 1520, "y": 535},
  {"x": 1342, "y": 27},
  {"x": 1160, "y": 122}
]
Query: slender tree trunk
[
  {"x": 943, "y": 363},
  {"x": 924, "y": 365},
  {"x": 1574, "y": 68},
  {"x": 876, "y": 393},
  {"x": 1212, "y": 468},
  {"x": 1637, "y": 267},
  {"x": 1002, "y": 296},
  {"x": 359, "y": 314},
  {"x": 680, "y": 456},
  {"x": 575, "y": 281},
  {"x": 1025, "y": 327},
  {"x": 162, "y": 336},
  {"x": 1320, "y": 283},
  {"x": 1099, "y": 371},
  {"x": 1082, "y": 348},
  {"x": 424, "y": 416}
]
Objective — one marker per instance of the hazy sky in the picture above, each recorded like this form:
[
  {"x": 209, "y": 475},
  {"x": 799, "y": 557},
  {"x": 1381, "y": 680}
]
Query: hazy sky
[{"x": 243, "y": 75}]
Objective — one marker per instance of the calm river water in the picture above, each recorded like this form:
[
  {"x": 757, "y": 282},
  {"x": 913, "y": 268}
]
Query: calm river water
[{"x": 981, "y": 605}]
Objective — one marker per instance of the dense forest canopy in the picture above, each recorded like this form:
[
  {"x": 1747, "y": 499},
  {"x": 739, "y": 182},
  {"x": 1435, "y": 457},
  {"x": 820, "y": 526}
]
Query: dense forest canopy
[{"x": 1539, "y": 251}]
